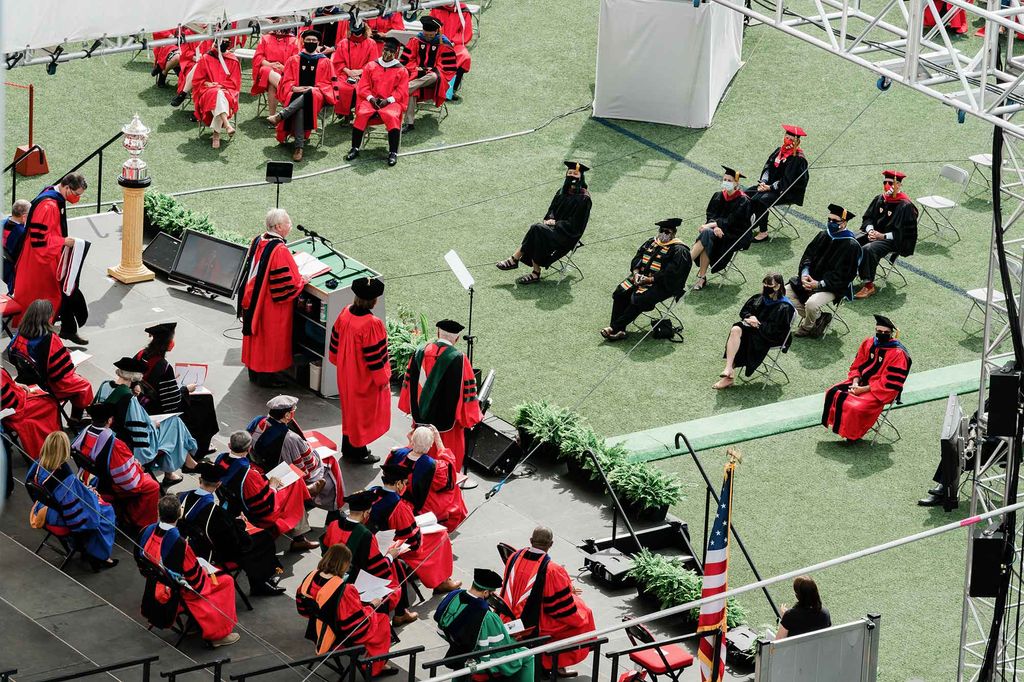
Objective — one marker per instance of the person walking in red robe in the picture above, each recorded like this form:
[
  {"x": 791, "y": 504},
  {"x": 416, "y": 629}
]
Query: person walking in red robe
[
  {"x": 432, "y": 477},
  {"x": 120, "y": 479},
  {"x": 265, "y": 301},
  {"x": 876, "y": 379},
  {"x": 209, "y": 597},
  {"x": 306, "y": 85},
  {"x": 217, "y": 83},
  {"x": 457, "y": 24},
  {"x": 540, "y": 593},
  {"x": 38, "y": 266},
  {"x": 430, "y": 58},
  {"x": 350, "y": 57},
  {"x": 273, "y": 51},
  {"x": 359, "y": 349},
  {"x": 440, "y": 389},
  {"x": 35, "y": 413},
  {"x": 381, "y": 97},
  {"x": 430, "y": 554}
]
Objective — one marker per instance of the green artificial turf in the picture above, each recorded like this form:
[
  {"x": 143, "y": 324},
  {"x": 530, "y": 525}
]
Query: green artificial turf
[{"x": 804, "y": 497}]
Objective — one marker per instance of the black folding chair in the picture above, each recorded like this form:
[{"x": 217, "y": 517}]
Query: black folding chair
[
  {"x": 505, "y": 551},
  {"x": 184, "y": 622},
  {"x": 38, "y": 493}
]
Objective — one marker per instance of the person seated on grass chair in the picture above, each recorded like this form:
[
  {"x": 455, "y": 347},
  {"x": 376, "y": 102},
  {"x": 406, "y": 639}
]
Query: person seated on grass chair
[
  {"x": 382, "y": 92},
  {"x": 765, "y": 320},
  {"x": 727, "y": 229},
  {"x": 457, "y": 24},
  {"x": 875, "y": 379},
  {"x": 658, "y": 272},
  {"x": 430, "y": 58},
  {"x": 889, "y": 226},
  {"x": 350, "y": 58},
  {"x": 188, "y": 58},
  {"x": 275, "y": 48},
  {"x": 827, "y": 269},
  {"x": 306, "y": 85},
  {"x": 783, "y": 180},
  {"x": 560, "y": 231},
  {"x": 216, "y": 83}
]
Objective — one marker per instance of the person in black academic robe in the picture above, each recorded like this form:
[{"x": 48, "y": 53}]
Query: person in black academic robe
[
  {"x": 765, "y": 321},
  {"x": 222, "y": 540},
  {"x": 783, "y": 180},
  {"x": 658, "y": 271},
  {"x": 889, "y": 226},
  {"x": 727, "y": 229},
  {"x": 827, "y": 269},
  {"x": 562, "y": 228}
]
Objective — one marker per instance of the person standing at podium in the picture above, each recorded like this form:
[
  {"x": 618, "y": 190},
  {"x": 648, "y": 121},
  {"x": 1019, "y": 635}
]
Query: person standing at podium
[
  {"x": 359, "y": 349},
  {"x": 265, "y": 302}
]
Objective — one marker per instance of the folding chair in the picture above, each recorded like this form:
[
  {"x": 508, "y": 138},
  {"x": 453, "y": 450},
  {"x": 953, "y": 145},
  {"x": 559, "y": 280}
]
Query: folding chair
[
  {"x": 981, "y": 163},
  {"x": 412, "y": 579},
  {"x": 833, "y": 308},
  {"x": 234, "y": 570},
  {"x": 979, "y": 298},
  {"x": 184, "y": 622},
  {"x": 771, "y": 365},
  {"x": 888, "y": 270},
  {"x": 8, "y": 309},
  {"x": 778, "y": 221},
  {"x": 427, "y": 106},
  {"x": 664, "y": 310},
  {"x": 562, "y": 265},
  {"x": 669, "y": 659},
  {"x": 67, "y": 549},
  {"x": 730, "y": 273},
  {"x": 884, "y": 422},
  {"x": 938, "y": 208},
  {"x": 505, "y": 551},
  {"x": 376, "y": 122}
]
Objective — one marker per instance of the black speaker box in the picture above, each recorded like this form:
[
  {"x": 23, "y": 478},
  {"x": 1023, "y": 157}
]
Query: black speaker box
[
  {"x": 160, "y": 253},
  {"x": 985, "y": 562},
  {"x": 495, "y": 451},
  {"x": 1003, "y": 402}
]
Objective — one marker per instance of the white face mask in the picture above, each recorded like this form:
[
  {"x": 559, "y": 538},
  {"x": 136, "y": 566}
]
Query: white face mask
[{"x": 728, "y": 186}]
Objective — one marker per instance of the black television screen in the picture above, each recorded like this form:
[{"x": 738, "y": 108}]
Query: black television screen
[{"x": 209, "y": 263}]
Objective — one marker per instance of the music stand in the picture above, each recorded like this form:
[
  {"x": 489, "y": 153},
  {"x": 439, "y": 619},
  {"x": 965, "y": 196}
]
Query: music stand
[{"x": 278, "y": 173}]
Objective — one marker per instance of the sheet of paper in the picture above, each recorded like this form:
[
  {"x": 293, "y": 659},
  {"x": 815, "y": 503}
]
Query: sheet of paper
[
  {"x": 202, "y": 390},
  {"x": 428, "y": 519},
  {"x": 515, "y": 626},
  {"x": 385, "y": 538},
  {"x": 371, "y": 587},
  {"x": 325, "y": 452},
  {"x": 78, "y": 357},
  {"x": 433, "y": 528},
  {"x": 158, "y": 418},
  {"x": 207, "y": 566},
  {"x": 310, "y": 266},
  {"x": 191, "y": 373},
  {"x": 285, "y": 473}
]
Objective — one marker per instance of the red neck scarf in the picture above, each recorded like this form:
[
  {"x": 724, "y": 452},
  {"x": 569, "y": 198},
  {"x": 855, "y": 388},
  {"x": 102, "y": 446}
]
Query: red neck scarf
[
  {"x": 896, "y": 197},
  {"x": 785, "y": 153},
  {"x": 730, "y": 197}
]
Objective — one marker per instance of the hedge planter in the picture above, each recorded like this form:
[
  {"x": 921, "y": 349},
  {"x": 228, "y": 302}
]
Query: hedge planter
[
  {"x": 644, "y": 514},
  {"x": 537, "y": 450},
  {"x": 579, "y": 473},
  {"x": 647, "y": 599}
]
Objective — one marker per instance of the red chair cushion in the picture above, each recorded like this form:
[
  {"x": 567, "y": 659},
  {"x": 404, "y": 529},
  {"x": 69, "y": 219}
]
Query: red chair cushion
[
  {"x": 649, "y": 659},
  {"x": 8, "y": 306}
]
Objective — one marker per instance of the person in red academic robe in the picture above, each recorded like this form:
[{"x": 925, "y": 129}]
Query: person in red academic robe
[
  {"x": 380, "y": 26},
  {"x": 337, "y": 617},
  {"x": 39, "y": 261},
  {"x": 876, "y": 379},
  {"x": 541, "y": 593},
  {"x": 165, "y": 58},
  {"x": 351, "y": 531},
  {"x": 430, "y": 58},
  {"x": 381, "y": 96},
  {"x": 457, "y": 24},
  {"x": 120, "y": 479},
  {"x": 430, "y": 554},
  {"x": 210, "y": 598},
  {"x": 440, "y": 389},
  {"x": 217, "y": 82},
  {"x": 359, "y": 349},
  {"x": 35, "y": 413},
  {"x": 306, "y": 85},
  {"x": 272, "y": 53},
  {"x": 265, "y": 301},
  {"x": 41, "y": 357},
  {"x": 957, "y": 22},
  {"x": 189, "y": 55},
  {"x": 247, "y": 492},
  {"x": 350, "y": 56},
  {"x": 432, "y": 477}
]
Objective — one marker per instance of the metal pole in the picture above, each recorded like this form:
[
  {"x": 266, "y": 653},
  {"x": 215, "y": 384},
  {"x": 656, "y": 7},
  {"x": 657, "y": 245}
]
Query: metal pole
[
  {"x": 469, "y": 335},
  {"x": 31, "y": 111},
  {"x": 707, "y": 519},
  {"x": 99, "y": 184},
  {"x": 615, "y": 499}
]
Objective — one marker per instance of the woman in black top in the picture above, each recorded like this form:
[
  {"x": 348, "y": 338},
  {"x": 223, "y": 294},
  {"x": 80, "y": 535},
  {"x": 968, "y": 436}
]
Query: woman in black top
[{"x": 808, "y": 615}]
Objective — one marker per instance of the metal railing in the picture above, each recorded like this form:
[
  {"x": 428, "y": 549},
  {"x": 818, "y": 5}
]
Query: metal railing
[
  {"x": 5, "y": 675},
  {"x": 461, "y": 660},
  {"x": 218, "y": 665},
  {"x": 409, "y": 652},
  {"x": 313, "y": 662},
  {"x": 146, "y": 663},
  {"x": 614, "y": 656}
]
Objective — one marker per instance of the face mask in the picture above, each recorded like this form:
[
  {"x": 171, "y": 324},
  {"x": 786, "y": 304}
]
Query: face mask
[
  {"x": 883, "y": 337},
  {"x": 571, "y": 182},
  {"x": 309, "y": 47},
  {"x": 787, "y": 143},
  {"x": 73, "y": 198},
  {"x": 834, "y": 226},
  {"x": 664, "y": 237},
  {"x": 728, "y": 185},
  {"x": 768, "y": 292},
  {"x": 225, "y": 45},
  {"x": 170, "y": 345}
]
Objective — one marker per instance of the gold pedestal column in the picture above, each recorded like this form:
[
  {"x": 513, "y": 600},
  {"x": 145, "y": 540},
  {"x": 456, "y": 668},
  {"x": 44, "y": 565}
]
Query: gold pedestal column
[{"x": 131, "y": 270}]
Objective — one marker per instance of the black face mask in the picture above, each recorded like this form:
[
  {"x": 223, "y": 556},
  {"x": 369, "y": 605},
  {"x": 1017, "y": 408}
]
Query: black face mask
[
  {"x": 768, "y": 292},
  {"x": 571, "y": 183},
  {"x": 309, "y": 47},
  {"x": 883, "y": 337},
  {"x": 225, "y": 45}
]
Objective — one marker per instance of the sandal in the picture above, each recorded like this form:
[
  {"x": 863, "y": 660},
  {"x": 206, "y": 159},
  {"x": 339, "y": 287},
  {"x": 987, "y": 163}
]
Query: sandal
[
  {"x": 701, "y": 282},
  {"x": 760, "y": 237},
  {"x": 510, "y": 263},
  {"x": 531, "y": 278},
  {"x": 216, "y": 141},
  {"x": 606, "y": 332},
  {"x": 616, "y": 336},
  {"x": 725, "y": 381}
]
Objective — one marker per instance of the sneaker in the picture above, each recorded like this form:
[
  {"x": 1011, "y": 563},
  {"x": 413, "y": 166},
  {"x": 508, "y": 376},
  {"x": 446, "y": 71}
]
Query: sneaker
[{"x": 225, "y": 641}]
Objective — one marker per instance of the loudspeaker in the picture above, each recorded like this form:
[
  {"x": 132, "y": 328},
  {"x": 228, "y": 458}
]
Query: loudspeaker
[
  {"x": 496, "y": 451},
  {"x": 986, "y": 557},
  {"x": 160, "y": 254},
  {"x": 1003, "y": 402},
  {"x": 610, "y": 567}
]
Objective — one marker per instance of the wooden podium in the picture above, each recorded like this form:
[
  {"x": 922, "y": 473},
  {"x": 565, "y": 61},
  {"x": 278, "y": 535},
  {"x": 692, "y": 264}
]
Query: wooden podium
[{"x": 311, "y": 335}]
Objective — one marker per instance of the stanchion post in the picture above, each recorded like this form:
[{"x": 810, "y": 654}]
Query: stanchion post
[{"x": 134, "y": 180}]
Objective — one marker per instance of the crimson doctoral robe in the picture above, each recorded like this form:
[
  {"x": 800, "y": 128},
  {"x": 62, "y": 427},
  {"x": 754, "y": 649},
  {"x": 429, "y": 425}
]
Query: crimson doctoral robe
[
  {"x": 352, "y": 53},
  {"x": 190, "y": 54},
  {"x": 247, "y": 492},
  {"x": 162, "y": 54},
  {"x": 366, "y": 554},
  {"x": 271, "y": 48},
  {"x": 381, "y": 25},
  {"x": 540, "y": 592},
  {"x": 359, "y": 349},
  {"x": 209, "y": 70},
  {"x": 883, "y": 368},
  {"x": 459, "y": 29},
  {"x": 437, "y": 55},
  {"x": 323, "y": 90},
  {"x": 214, "y": 605},
  {"x": 383, "y": 82},
  {"x": 53, "y": 365},
  {"x": 447, "y": 400},
  {"x": 429, "y": 555},
  {"x": 38, "y": 262},
  {"x": 266, "y": 304},
  {"x": 120, "y": 479},
  {"x": 432, "y": 485},
  {"x": 35, "y": 413}
]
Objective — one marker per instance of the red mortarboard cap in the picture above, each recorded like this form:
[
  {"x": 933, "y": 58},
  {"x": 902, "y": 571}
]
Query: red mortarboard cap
[
  {"x": 794, "y": 130},
  {"x": 893, "y": 175}
]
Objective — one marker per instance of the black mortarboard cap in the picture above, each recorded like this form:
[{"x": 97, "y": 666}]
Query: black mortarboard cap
[
  {"x": 883, "y": 321},
  {"x": 576, "y": 165},
  {"x": 367, "y": 287},
  {"x": 392, "y": 473},
  {"x": 392, "y": 42},
  {"x": 450, "y": 326},
  {"x": 670, "y": 223},
  {"x": 486, "y": 579},
  {"x": 130, "y": 365},
  {"x": 162, "y": 329},
  {"x": 430, "y": 23},
  {"x": 100, "y": 412},
  {"x": 733, "y": 172},
  {"x": 359, "y": 29},
  {"x": 361, "y": 500},
  {"x": 210, "y": 472},
  {"x": 841, "y": 212},
  {"x": 311, "y": 33}
]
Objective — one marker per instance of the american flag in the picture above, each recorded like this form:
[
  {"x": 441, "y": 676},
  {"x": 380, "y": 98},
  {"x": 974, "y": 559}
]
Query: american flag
[{"x": 716, "y": 570}]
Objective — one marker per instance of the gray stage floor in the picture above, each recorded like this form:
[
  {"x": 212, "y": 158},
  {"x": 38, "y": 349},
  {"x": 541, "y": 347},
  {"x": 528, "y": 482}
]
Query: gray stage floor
[{"x": 59, "y": 621}]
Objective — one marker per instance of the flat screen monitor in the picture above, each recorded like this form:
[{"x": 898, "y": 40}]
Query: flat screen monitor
[
  {"x": 953, "y": 438},
  {"x": 159, "y": 254},
  {"x": 209, "y": 263}
]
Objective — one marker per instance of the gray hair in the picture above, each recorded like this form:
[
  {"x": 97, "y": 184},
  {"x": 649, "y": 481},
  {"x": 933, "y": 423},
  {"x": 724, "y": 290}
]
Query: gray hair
[
  {"x": 422, "y": 439},
  {"x": 542, "y": 538},
  {"x": 239, "y": 442},
  {"x": 133, "y": 377},
  {"x": 21, "y": 207},
  {"x": 275, "y": 217}
]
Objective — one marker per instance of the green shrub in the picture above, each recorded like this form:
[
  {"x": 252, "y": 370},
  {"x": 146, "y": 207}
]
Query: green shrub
[
  {"x": 645, "y": 486},
  {"x": 166, "y": 213},
  {"x": 544, "y": 422},
  {"x": 667, "y": 579},
  {"x": 406, "y": 335},
  {"x": 576, "y": 440}
]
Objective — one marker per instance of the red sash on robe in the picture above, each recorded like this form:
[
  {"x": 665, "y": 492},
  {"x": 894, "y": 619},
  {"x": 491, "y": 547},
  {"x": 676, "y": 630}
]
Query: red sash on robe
[{"x": 852, "y": 416}]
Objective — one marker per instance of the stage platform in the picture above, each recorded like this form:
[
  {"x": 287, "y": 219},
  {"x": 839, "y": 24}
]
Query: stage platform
[{"x": 56, "y": 622}]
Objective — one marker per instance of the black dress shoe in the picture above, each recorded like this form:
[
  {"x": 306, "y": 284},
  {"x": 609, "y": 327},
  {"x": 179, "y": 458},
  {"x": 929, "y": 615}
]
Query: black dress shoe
[
  {"x": 161, "y": 80},
  {"x": 392, "y": 159},
  {"x": 265, "y": 589},
  {"x": 352, "y": 153},
  {"x": 368, "y": 458},
  {"x": 408, "y": 128},
  {"x": 932, "y": 501},
  {"x": 178, "y": 99},
  {"x": 937, "y": 490},
  {"x": 155, "y": 71},
  {"x": 76, "y": 339}
]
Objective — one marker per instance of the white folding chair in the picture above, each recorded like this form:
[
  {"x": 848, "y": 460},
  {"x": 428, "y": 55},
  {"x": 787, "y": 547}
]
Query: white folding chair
[
  {"x": 889, "y": 271},
  {"x": 982, "y": 169},
  {"x": 772, "y": 366},
  {"x": 939, "y": 209},
  {"x": 563, "y": 264},
  {"x": 779, "y": 222},
  {"x": 979, "y": 298},
  {"x": 731, "y": 273},
  {"x": 885, "y": 423}
]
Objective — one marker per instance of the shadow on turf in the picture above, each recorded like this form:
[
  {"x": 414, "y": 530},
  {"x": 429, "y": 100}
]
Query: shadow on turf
[
  {"x": 547, "y": 294},
  {"x": 713, "y": 298},
  {"x": 817, "y": 353},
  {"x": 864, "y": 458}
]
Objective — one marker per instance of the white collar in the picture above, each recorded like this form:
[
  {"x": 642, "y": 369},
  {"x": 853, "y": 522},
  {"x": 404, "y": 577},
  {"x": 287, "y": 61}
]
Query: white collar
[
  {"x": 445, "y": 342},
  {"x": 201, "y": 491},
  {"x": 235, "y": 456},
  {"x": 165, "y": 526},
  {"x": 380, "y": 60}
]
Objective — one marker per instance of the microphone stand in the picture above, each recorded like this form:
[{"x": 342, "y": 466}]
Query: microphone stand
[{"x": 469, "y": 336}]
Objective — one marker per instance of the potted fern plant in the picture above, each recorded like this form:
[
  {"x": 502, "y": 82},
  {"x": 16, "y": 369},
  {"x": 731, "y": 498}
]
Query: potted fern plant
[
  {"x": 543, "y": 426},
  {"x": 646, "y": 493},
  {"x": 406, "y": 335}
]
